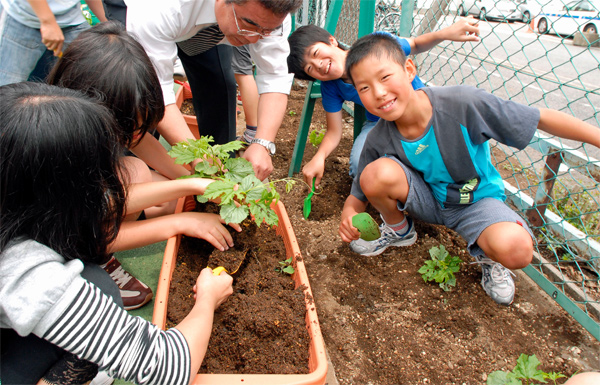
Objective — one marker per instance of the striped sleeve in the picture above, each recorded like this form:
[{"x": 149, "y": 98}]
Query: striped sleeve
[{"x": 94, "y": 328}]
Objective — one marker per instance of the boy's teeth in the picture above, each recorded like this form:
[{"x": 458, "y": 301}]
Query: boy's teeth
[
  {"x": 328, "y": 67},
  {"x": 387, "y": 105}
]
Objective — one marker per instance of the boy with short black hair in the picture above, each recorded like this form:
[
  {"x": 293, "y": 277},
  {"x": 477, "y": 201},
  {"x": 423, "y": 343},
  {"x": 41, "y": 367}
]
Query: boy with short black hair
[
  {"x": 429, "y": 155},
  {"x": 316, "y": 55}
]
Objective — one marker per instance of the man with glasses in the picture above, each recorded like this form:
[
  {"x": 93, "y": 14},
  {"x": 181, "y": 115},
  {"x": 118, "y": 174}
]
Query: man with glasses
[{"x": 188, "y": 28}]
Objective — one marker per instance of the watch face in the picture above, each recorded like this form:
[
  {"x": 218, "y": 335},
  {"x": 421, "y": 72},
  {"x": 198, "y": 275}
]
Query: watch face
[{"x": 271, "y": 148}]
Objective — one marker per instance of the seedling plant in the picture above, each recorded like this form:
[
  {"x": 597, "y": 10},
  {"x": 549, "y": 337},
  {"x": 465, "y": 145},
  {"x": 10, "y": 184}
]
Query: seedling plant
[
  {"x": 441, "y": 268},
  {"x": 285, "y": 267},
  {"x": 237, "y": 190},
  {"x": 525, "y": 370},
  {"x": 316, "y": 137}
]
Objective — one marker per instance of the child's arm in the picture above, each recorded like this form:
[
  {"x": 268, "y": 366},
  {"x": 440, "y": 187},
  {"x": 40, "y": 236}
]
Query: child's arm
[
  {"x": 210, "y": 291},
  {"x": 155, "y": 155},
  {"x": 352, "y": 206},
  {"x": 466, "y": 29},
  {"x": 134, "y": 234},
  {"x": 316, "y": 167},
  {"x": 52, "y": 35},
  {"x": 566, "y": 126},
  {"x": 140, "y": 196}
]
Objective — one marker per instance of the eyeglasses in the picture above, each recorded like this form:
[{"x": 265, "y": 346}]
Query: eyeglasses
[{"x": 263, "y": 33}]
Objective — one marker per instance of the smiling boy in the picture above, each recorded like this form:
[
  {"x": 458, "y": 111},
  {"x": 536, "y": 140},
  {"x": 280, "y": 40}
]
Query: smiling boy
[
  {"x": 429, "y": 156},
  {"x": 316, "y": 55}
]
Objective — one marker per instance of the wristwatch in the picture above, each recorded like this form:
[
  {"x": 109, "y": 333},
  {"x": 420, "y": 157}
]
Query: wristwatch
[{"x": 270, "y": 146}]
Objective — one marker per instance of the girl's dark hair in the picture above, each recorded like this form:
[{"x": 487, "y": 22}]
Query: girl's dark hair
[
  {"x": 301, "y": 40},
  {"x": 106, "y": 59},
  {"x": 60, "y": 174},
  {"x": 378, "y": 44}
]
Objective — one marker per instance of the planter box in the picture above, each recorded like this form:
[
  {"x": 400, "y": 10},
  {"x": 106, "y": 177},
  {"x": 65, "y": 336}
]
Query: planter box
[
  {"x": 317, "y": 357},
  {"x": 183, "y": 93}
]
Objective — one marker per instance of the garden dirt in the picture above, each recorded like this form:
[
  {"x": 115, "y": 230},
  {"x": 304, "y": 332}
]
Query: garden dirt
[{"x": 383, "y": 324}]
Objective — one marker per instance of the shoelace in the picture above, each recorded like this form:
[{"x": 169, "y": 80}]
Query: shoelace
[
  {"x": 120, "y": 276},
  {"x": 499, "y": 273}
]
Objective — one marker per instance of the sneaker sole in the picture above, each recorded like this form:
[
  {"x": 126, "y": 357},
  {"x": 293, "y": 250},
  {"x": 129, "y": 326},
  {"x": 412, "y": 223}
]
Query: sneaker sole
[
  {"x": 403, "y": 243},
  {"x": 137, "y": 306}
]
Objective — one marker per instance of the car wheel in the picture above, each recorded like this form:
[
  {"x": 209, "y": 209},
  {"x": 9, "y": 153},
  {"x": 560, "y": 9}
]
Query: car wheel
[
  {"x": 482, "y": 14},
  {"x": 590, "y": 28},
  {"x": 543, "y": 26},
  {"x": 526, "y": 17},
  {"x": 461, "y": 10}
]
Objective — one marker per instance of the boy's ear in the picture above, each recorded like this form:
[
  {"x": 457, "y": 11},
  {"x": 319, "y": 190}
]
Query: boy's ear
[
  {"x": 411, "y": 68},
  {"x": 333, "y": 41}
]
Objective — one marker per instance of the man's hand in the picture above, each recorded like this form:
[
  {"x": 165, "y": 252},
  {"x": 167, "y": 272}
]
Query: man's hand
[{"x": 260, "y": 159}]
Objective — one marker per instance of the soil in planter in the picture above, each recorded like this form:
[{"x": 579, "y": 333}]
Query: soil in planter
[{"x": 261, "y": 328}]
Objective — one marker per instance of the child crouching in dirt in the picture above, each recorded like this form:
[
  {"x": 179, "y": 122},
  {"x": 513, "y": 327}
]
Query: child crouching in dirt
[{"x": 429, "y": 156}]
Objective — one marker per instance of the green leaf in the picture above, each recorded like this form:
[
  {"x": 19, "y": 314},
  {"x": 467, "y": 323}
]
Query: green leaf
[
  {"x": 206, "y": 169},
  {"x": 231, "y": 213},
  {"x": 220, "y": 189},
  {"x": 263, "y": 213},
  {"x": 252, "y": 187},
  {"x": 288, "y": 270},
  {"x": 223, "y": 150},
  {"x": 289, "y": 185},
  {"x": 526, "y": 368},
  {"x": 502, "y": 378},
  {"x": 238, "y": 169}
]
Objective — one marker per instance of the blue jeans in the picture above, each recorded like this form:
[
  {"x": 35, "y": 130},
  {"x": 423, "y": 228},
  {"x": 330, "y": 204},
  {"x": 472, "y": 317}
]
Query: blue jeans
[
  {"x": 22, "y": 47},
  {"x": 358, "y": 145}
]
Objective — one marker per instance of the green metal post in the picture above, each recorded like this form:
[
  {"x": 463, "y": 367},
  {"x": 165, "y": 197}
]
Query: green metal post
[{"x": 406, "y": 18}]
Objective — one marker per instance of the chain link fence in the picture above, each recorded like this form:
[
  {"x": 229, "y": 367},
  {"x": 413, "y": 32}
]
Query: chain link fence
[{"x": 543, "y": 53}]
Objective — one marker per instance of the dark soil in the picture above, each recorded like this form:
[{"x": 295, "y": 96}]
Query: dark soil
[
  {"x": 261, "y": 327},
  {"x": 383, "y": 324}
]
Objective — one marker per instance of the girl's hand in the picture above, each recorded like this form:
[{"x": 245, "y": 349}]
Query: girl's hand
[
  {"x": 213, "y": 288},
  {"x": 314, "y": 169},
  {"x": 208, "y": 227},
  {"x": 347, "y": 231}
]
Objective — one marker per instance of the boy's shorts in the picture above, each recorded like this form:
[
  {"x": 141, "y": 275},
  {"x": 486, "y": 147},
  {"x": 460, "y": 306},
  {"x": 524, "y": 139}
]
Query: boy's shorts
[
  {"x": 467, "y": 220},
  {"x": 241, "y": 62}
]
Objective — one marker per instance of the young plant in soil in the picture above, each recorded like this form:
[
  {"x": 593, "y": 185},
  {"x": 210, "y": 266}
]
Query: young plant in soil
[
  {"x": 316, "y": 137},
  {"x": 285, "y": 267},
  {"x": 239, "y": 192},
  {"x": 527, "y": 370},
  {"x": 441, "y": 268}
]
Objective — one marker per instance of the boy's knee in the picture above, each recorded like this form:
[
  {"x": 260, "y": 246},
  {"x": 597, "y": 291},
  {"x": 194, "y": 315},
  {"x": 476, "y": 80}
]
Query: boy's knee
[
  {"x": 379, "y": 174},
  {"x": 512, "y": 247}
]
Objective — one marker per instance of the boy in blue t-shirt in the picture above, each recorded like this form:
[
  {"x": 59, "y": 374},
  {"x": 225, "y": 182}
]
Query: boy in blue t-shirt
[
  {"x": 315, "y": 54},
  {"x": 429, "y": 155}
]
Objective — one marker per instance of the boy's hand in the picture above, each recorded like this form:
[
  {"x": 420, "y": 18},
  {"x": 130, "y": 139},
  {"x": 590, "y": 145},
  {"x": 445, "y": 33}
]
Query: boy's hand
[
  {"x": 314, "y": 169},
  {"x": 347, "y": 231},
  {"x": 213, "y": 288},
  {"x": 466, "y": 29},
  {"x": 208, "y": 227}
]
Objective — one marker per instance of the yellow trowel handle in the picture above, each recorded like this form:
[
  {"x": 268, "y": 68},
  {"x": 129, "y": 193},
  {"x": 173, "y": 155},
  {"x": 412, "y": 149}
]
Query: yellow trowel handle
[{"x": 219, "y": 270}]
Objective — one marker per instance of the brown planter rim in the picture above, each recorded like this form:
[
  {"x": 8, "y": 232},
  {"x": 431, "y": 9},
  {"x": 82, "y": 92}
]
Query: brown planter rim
[{"x": 317, "y": 357}]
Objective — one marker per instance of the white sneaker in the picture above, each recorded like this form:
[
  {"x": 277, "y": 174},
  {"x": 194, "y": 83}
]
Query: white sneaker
[
  {"x": 496, "y": 280},
  {"x": 388, "y": 238}
]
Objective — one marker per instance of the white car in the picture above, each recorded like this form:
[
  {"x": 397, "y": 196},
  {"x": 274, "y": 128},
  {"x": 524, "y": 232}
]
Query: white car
[
  {"x": 576, "y": 16},
  {"x": 529, "y": 9},
  {"x": 490, "y": 9}
]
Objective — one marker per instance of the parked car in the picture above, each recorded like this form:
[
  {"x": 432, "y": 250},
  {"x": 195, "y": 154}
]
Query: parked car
[
  {"x": 576, "y": 16},
  {"x": 529, "y": 9},
  {"x": 490, "y": 9}
]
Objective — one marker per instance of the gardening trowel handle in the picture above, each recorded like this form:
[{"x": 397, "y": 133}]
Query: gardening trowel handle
[{"x": 219, "y": 270}]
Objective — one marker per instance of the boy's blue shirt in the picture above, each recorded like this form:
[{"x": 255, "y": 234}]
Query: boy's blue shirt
[
  {"x": 455, "y": 143},
  {"x": 335, "y": 92}
]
